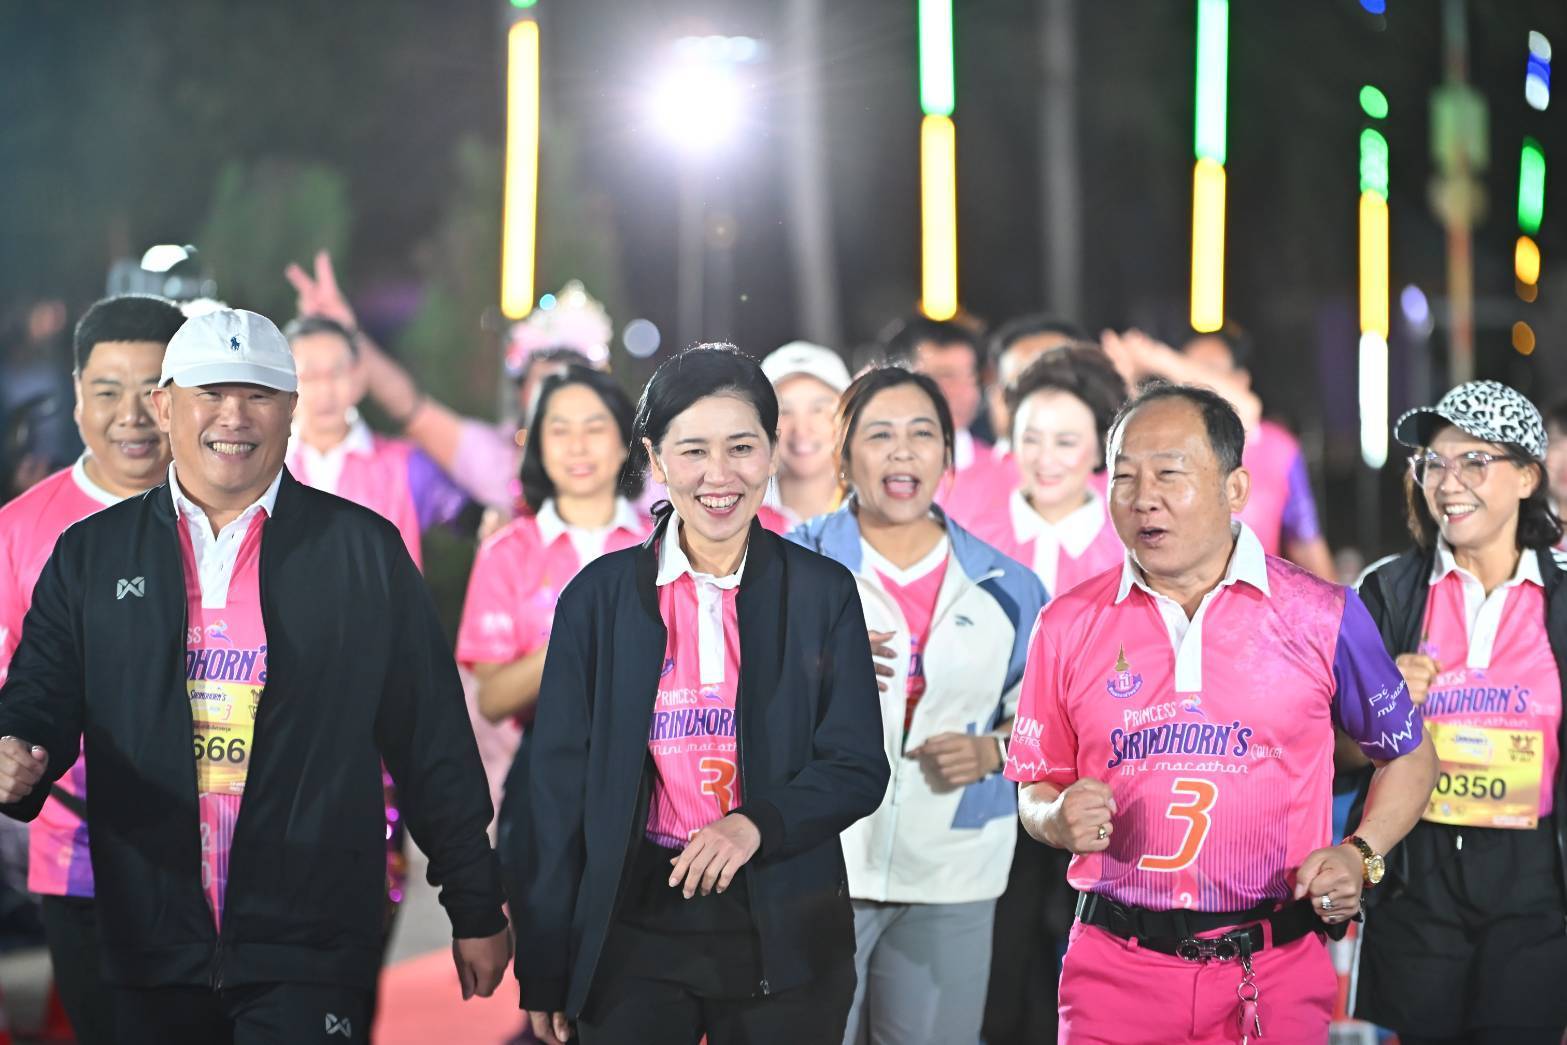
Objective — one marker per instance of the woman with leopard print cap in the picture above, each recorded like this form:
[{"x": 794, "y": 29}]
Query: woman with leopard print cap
[{"x": 1466, "y": 941}]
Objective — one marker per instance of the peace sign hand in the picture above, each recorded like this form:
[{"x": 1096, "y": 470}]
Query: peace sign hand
[{"x": 320, "y": 295}]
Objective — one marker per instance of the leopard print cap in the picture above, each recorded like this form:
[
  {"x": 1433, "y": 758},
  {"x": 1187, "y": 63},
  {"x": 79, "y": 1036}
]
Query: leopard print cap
[{"x": 1487, "y": 410}]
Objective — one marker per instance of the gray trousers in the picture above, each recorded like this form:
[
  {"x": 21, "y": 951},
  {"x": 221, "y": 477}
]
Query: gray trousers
[{"x": 923, "y": 970}]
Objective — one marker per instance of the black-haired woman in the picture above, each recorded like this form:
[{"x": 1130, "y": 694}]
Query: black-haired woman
[
  {"x": 952, "y": 618},
  {"x": 706, "y": 727},
  {"x": 577, "y": 508},
  {"x": 1468, "y": 941}
]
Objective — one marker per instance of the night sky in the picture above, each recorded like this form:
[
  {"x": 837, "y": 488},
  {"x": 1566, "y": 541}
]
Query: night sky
[{"x": 121, "y": 119}]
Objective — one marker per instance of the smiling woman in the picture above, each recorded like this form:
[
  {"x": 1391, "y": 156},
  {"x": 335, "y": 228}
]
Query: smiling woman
[
  {"x": 706, "y": 727},
  {"x": 949, "y": 618},
  {"x": 1473, "y": 613}
]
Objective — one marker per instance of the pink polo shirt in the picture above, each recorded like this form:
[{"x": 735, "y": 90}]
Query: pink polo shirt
[
  {"x": 1062, "y": 554},
  {"x": 225, "y": 671},
  {"x": 1281, "y": 508},
  {"x": 1215, "y": 733},
  {"x": 389, "y": 476},
  {"x": 694, "y": 736},
  {"x": 981, "y": 482},
  {"x": 518, "y": 576},
  {"x": 1495, "y": 708},
  {"x": 58, "y": 862}
]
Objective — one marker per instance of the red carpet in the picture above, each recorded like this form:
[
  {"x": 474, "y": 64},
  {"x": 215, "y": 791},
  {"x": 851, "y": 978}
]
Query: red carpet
[{"x": 421, "y": 1004}]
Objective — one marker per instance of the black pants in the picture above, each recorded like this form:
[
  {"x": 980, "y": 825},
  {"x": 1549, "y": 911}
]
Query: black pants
[
  {"x": 1033, "y": 917},
  {"x": 71, "y": 929},
  {"x": 657, "y": 1012},
  {"x": 1474, "y": 944},
  {"x": 675, "y": 969},
  {"x": 262, "y": 1014}
]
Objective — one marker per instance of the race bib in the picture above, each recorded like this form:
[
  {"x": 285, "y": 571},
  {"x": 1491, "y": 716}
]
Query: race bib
[
  {"x": 1489, "y": 777},
  {"x": 224, "y": 720}
]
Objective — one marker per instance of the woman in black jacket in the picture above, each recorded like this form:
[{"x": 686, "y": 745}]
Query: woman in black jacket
[
  {"x": 1468, "y": 941},
  {"x": 708, "y": 723}
]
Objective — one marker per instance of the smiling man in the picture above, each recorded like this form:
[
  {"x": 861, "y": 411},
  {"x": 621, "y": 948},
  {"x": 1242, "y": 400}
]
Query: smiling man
[
  {"x": 285, "y": 635},
  {"x": 1175, "y": 733},
  {"x": 118, "y": 347}
]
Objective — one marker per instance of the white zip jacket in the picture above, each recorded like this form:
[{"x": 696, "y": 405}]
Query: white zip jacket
[{"x": 925, "y": 845}]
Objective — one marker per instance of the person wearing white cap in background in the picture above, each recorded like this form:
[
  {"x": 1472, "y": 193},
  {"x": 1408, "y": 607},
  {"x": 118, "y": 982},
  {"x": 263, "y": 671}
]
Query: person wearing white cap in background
[
  {"x": 289, "y": 632},
  {"x": 808, "y": 380}
]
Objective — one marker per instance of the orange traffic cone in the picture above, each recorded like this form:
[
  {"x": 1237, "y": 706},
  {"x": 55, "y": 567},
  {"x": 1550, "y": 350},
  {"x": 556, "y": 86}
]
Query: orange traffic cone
[{"x": 56, "y": 1024}]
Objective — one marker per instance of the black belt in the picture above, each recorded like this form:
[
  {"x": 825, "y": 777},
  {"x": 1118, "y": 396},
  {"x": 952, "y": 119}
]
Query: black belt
[{"x": 1175, "y": 932}]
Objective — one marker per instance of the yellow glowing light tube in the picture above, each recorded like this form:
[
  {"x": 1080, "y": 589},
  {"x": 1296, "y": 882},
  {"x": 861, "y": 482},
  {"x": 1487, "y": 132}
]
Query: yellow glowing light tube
[
  {"x": 1526, "y": 261},
  {"x": 519, "y": 221},
  {"x": 939, "y": 217},
  {"x": 1373, "y": 265},
  {"x": 1207, "y": 246}
]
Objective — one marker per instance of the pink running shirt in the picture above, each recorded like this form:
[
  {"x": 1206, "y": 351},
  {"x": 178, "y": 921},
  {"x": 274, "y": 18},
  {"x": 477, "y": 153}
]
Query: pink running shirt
[
  {"x": 1497, "y": 675},
  {"x": 915, "y": 591},
  {"x": 694, "y": 736},
  {"x": 374, "y": 474},
  {"x": 58, "y": 860},
  {"x": 980, "y": 483},
  {"x": 225, "y": 672},
  {"x": 1217, "y": 743},
  {"x": 1281, "y": 507},
  {"x": 517, "y": 578}
]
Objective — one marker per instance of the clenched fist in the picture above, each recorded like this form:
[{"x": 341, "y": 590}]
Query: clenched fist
[
  {"x": 22, "y": 765},
  {"x": 1079, "y": 820}
]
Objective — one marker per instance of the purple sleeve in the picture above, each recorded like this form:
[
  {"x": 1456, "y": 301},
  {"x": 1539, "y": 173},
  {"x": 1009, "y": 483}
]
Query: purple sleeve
[
  {"x": 1371, "y": 703},
  {"x": 1300, "y": 508},
  {"x": 437, "y": 499}
]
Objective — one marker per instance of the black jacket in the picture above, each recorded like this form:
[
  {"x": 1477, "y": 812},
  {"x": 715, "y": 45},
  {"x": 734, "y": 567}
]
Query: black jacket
[
  {"x": 810, "y": 754},
  {"x": 358, "y": 672},
  {"x": 1396, "y": 591}
]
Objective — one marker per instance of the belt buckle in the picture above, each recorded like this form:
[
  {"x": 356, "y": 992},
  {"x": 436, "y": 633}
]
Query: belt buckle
[{"x": 1223, "y": 949}]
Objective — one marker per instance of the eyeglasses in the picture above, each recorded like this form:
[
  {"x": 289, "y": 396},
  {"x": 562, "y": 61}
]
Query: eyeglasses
[{"x": 1470, "y": 468}]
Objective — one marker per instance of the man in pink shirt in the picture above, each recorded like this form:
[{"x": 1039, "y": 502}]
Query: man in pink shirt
[
  {"x": 334, "y": 450},
  {"x": 1281, "y": 509},
  {"x": 950, "y": 354},
  {"x": 118, "y": 349},
  {"x": 1175, "y": 732}
]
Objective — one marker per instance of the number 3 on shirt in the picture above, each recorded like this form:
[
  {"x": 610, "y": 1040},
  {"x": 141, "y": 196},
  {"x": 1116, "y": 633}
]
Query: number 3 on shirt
[
  {"x": 718, "y": 780},
  {"x": 1202, "y": 795}
]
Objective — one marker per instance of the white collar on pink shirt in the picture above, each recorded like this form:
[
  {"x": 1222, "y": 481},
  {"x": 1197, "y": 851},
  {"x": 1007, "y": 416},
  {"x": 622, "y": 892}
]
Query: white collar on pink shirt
[
  {"x": 672, "y": 565},
  {"x": 1075, "y": 532},
  {"x": 324, "y": 468},
  {"x": 1482, "y": 612},
  {"x": 217, "y": 553},
  {"x": 551, "y": 525},
  {"x": 85, "y": 484},
  {"x": 1248, "y": 564}
]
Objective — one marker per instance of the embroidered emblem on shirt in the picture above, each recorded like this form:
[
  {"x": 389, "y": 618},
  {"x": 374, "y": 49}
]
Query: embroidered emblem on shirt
[
  {"x": 136, "y": 587},
  {"x": 1123, "y": 684}
]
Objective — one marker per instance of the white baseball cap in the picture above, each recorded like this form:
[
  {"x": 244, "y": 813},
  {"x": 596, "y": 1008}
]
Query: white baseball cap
[
  {"x": 802, "y": 357},
  {"x": 229, "y": 346}
]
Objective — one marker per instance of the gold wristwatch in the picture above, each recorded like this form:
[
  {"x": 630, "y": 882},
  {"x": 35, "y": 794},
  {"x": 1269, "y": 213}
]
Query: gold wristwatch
[{"x": 1373, "y": 867}]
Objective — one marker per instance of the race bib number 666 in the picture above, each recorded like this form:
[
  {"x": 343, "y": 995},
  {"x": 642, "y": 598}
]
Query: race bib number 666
[{"x": 223, "y": 716}]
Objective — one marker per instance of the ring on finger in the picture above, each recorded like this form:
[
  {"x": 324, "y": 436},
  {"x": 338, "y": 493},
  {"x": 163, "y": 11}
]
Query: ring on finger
[
  {"x": 1326, "y": 902},
  {"x": 1104, "y": 832}
]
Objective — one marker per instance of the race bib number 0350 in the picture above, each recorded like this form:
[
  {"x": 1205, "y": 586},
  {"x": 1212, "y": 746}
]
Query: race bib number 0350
[
  {"x": 1489, "y": 777},
  {"x": 224, "y": 719}
]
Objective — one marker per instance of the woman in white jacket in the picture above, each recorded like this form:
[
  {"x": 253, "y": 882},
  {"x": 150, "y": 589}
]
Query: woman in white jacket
[{"x": 949, "y": 618}]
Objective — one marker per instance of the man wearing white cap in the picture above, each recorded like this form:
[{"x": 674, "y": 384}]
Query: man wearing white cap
[
  {"x": 808, "y": 380},
  {"x": 289, "y": 633}
]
